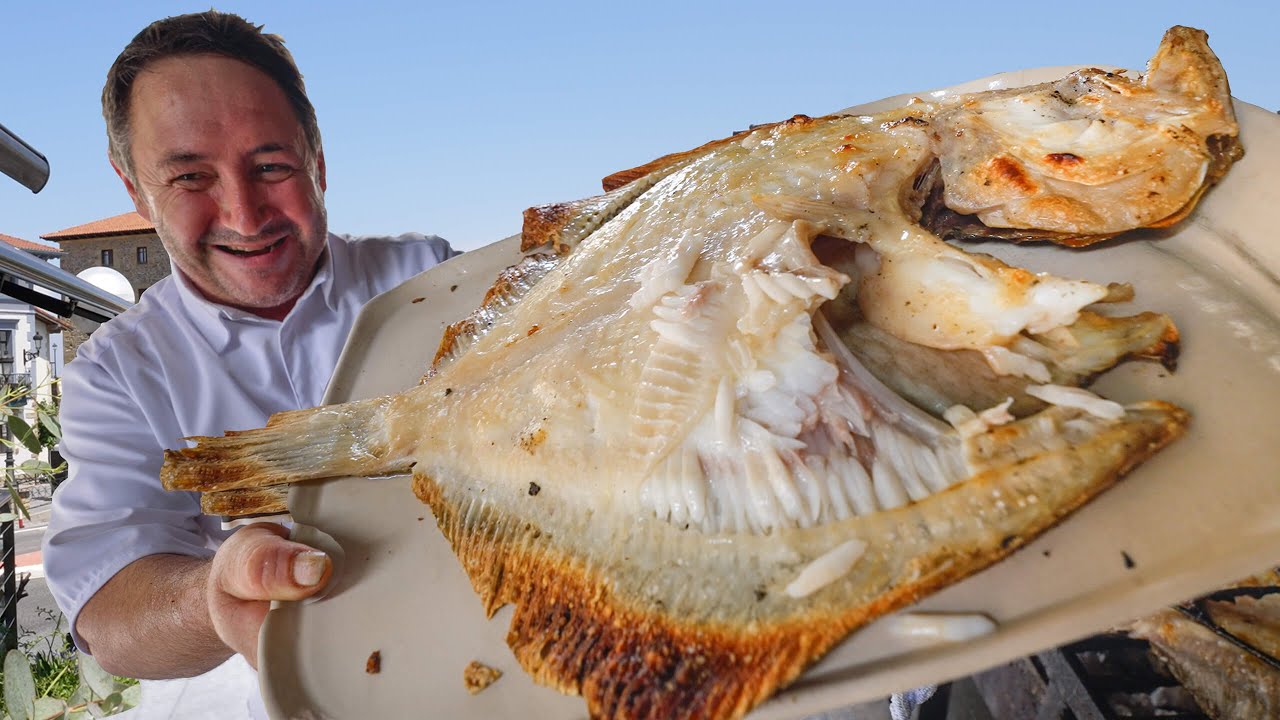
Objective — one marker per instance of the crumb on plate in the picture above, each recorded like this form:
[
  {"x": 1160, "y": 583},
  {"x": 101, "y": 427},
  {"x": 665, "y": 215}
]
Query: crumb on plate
[{"x": 479, "y": 676}]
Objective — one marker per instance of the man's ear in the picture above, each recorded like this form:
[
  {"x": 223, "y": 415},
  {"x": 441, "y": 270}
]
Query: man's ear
[
  {"x": 320, "y": 171},
  {"x": 132, "y": 189}
]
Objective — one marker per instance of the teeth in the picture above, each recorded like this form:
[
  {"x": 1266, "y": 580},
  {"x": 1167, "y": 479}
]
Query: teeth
[{"x": 249, "y": 252}]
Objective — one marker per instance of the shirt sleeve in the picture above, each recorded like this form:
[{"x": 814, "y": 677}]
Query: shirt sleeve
[{"x": 112, "y": 509}]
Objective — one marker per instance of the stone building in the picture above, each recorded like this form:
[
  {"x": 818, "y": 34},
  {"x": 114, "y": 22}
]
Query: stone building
[{"x": 126, "y": 243}]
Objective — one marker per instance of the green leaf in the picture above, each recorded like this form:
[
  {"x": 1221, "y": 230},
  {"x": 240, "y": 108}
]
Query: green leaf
[
  {"x": 132, "y": 695},
  {"x": 99, "y": 681},
  {"x": 19, "y": 685},
  {"x": 47, "y": 708},
  {"x": 76, "y": 704},
  {"x": 35, "y": 467},
  {"x": 48, "y": 419},
  {"x": 23, "y": 433},
  {"x": 7, "y": 517}
]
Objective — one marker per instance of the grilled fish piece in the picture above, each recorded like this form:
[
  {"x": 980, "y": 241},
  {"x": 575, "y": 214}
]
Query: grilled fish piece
[
  {"x": 658, "y": 448},
  {"x": 1230, "y": 677}
]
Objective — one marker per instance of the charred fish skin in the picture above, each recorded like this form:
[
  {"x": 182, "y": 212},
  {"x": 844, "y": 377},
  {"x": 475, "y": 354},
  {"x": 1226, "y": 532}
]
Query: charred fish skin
[
  {"x": 675, "y": 390},
  {"x": 590, "y": 623}
]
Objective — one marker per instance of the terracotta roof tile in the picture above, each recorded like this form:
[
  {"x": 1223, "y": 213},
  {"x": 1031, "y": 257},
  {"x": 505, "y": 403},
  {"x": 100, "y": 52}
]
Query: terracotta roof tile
[
  {"x": 28, "y": 245},
  {"x": 129, "y": 223},
  {"x": 52, "y": 319}
]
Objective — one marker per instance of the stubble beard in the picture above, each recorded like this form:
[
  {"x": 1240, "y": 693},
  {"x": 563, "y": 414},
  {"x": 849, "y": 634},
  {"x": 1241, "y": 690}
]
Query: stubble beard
[{"x": 202, "y": 270}]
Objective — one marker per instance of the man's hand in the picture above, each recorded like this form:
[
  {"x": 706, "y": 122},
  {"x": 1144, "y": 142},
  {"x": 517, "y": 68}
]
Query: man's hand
[
  {"x": 254, "y": 566},
  {"x": 171, "y": 616}
]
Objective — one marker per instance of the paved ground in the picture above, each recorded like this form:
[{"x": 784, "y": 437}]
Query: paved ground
[{"x": 38, "y": 614}]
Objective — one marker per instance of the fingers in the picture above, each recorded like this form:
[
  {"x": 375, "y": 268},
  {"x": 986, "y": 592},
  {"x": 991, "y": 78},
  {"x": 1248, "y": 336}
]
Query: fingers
[
  {"x": 259, "y": 563},
  {"x": 255, "y": 565}
]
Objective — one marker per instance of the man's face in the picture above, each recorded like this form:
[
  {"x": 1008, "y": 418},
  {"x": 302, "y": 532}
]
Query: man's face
[{"x": 222, "y": 169}]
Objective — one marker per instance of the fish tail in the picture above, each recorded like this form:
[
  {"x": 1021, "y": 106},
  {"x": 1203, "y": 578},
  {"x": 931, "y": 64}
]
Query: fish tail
[{"x": 324, "y": 442}]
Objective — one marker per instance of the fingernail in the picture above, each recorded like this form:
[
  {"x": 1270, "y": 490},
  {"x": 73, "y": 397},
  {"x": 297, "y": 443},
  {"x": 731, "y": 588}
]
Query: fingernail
[{"x": 309, "y": 567}]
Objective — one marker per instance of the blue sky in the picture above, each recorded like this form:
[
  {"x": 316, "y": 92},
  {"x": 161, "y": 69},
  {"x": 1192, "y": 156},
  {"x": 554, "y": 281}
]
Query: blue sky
[{"x": 452, "y": 118}]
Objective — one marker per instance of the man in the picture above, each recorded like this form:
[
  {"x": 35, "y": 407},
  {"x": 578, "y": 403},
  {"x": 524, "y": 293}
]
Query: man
[{"x": 211, "y": 131}]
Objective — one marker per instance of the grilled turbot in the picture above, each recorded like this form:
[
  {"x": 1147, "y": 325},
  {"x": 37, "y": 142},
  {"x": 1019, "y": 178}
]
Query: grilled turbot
[{"x": 679, "y": 441}]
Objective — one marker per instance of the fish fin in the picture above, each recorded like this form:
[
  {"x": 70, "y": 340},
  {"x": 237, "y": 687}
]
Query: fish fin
[
  {"x": 1096, "y": 343},
  {"x": 323, "y": 442},
  {"x": 564, "y": 225},
  {"x": 622, "y": 177},
  {"x": 511, "y": 285},
  {"x": 248, "y": 501},
  {"x": 665, "y": 163},
  {"x": 935, "y": 379},
  {"x": 621, "y": 609}
]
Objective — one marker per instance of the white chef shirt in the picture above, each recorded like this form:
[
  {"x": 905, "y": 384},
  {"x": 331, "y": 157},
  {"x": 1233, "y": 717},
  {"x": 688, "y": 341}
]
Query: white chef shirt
[{"x": 176, "y": 365}]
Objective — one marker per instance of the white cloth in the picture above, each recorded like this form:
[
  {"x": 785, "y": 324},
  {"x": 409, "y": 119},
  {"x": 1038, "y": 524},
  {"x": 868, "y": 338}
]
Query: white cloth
[{"x": 176, "y": 365}]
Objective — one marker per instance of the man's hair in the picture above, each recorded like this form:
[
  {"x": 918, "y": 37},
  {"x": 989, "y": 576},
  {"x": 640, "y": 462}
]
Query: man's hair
[{"x": 210, "y": 32}]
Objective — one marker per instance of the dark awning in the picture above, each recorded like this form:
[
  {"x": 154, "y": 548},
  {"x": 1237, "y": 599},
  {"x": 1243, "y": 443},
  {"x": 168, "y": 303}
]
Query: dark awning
[{"x": 73, "y": 295}]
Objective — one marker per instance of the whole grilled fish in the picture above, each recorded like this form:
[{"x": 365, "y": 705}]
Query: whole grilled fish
[{"x": 669, "y": 442}]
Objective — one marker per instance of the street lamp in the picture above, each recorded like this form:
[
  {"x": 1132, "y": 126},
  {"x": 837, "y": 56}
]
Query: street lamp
[{"x": 38, "y": 341}]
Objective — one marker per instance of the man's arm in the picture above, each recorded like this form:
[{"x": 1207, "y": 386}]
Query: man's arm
[{"x": 165, "y": 616}]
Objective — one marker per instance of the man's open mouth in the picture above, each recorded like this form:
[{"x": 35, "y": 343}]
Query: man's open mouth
[{"x": 242, "y": 252}]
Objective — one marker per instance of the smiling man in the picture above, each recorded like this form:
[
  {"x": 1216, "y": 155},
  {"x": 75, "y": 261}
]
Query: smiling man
[
  {"x": 226, "y": 172},
  {"x": 210, "y": 130}
]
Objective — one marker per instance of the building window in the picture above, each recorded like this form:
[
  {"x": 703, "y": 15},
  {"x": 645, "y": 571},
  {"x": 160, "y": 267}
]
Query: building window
[
  {"x": 107, "y": 259},
  {"x": 142, "y": 255},
  {"x": 6, "y": 345}
]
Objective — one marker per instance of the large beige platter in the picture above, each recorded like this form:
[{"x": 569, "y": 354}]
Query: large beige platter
[{"x": 1200, "y": 514}]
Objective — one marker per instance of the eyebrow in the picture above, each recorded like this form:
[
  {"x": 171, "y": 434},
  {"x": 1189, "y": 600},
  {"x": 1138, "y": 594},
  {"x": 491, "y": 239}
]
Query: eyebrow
[{"x": 180, "y": 157}]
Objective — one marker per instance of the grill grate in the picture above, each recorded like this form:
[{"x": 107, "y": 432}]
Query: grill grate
[
  {"x": 1104, "y": 677},
  {"x": 1108, "y": 677}
]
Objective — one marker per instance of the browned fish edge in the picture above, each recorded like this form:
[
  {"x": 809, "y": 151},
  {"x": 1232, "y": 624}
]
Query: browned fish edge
[
  {"x": 505, "y": 289},
  {"x": 571, "y": 632},
  {"x": 247, "y": 502}
]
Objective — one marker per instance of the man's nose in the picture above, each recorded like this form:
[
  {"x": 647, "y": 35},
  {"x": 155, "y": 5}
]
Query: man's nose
[{"x": 244, "y": 206}]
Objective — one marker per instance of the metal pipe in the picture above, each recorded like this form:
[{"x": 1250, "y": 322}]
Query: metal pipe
[
  {"x": 82, "y": 298},
  {"x": 22, "y": 162}
]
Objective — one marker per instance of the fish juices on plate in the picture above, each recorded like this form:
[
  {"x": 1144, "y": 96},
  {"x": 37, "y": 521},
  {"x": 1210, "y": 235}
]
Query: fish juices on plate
[{"x": 759, "y": 361}]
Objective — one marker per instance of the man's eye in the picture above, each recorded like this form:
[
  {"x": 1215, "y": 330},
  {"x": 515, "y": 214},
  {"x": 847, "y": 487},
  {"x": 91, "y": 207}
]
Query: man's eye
[
  {"x": 191, "y": 181},
  {"x": 274, "y": 171}
]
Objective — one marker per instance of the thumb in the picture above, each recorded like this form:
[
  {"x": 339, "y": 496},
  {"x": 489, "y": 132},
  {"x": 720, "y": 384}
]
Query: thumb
[{"x": 259, "y": 563}]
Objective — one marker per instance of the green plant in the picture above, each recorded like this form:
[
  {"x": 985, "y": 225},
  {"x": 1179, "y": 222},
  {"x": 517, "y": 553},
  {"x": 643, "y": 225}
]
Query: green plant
[
  {"x": 46, "y": 433},
  {"x": 48, "y": 430},
  {"x": 48, "y": 679}
]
